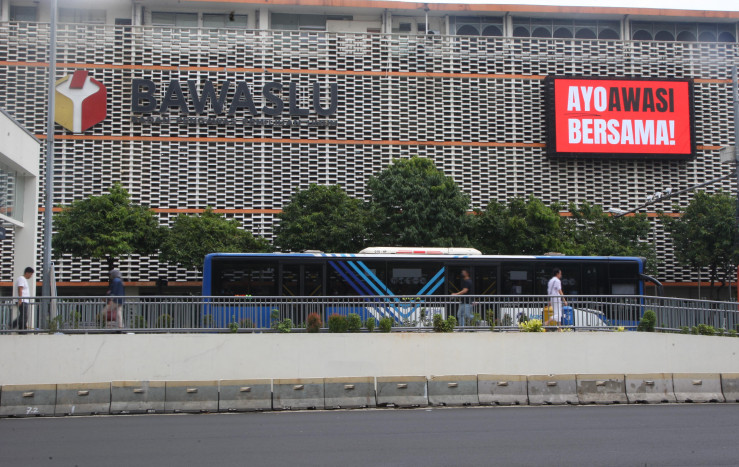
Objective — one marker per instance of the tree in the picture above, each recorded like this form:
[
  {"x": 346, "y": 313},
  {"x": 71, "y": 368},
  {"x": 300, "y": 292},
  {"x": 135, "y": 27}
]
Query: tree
[
  {"x": 522, "y": 227},
  {"x": 590, "y": 231},
  {"x": 193, "y": 237},
  {"x": 106, "y": 227},
  {"x": 322, "y": 218},
  {"x": 415, "y": 204},
  {"x": 704, "y": 236}
]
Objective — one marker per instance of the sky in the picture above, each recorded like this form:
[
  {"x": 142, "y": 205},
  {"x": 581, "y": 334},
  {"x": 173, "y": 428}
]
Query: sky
[{"x": 721, "y": 5}]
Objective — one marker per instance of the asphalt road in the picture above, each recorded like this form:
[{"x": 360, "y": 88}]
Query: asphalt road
[{"x": 661, "y": 435}]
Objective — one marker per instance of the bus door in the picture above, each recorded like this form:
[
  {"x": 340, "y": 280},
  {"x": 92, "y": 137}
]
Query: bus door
[
  {"x": 302, "y": 280},
  {"x": 486, "y": 283}
]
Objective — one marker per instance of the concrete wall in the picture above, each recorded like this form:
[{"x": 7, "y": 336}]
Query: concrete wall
[{"x": 38, "y": 359}]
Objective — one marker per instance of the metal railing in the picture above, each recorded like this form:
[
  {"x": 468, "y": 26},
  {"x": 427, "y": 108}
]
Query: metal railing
[{"x": 249, "y": 314}]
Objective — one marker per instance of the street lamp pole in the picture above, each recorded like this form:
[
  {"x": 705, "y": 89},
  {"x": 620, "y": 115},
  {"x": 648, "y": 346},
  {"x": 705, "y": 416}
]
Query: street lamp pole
[
  {"x": 49, "y": 188},
  {"x": 735, "y": 93}
]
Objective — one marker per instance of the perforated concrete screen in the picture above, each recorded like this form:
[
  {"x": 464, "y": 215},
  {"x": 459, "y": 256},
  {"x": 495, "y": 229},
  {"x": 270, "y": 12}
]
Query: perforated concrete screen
[{"x": 475, "y": 105}]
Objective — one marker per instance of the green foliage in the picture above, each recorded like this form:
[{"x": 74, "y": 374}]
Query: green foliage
[
  {"x": 106, "y": 227},
  {"x": 684, "y": 330},
  {"x": 193, "y": 237},
  {"x": 706, "y": 330},
  {"x": 139, "y": 322},
  {"x": 353, "y": 323},
  {"x": 531, "y": 325},
  {"x": 370, "y": 324},
  {"x": 590, "y": 231},
  {"x": 521, "y": 227},
  {"x": 523, "y": 318},
  {"x": 442, "y": 325},
  {"x": 286, "y": 325},
  {"x": 647, "y": 322},
  {"x": 233, "y": 326},
  {"x": 337, "y": 323},
  {"x": 386, "y": 324},
  {"x": 313, "y": 323},
  {"x": 703, "y": 237},
  {"x": 246, "y": 323},
  {"x": 413, "y": 203},
  {"x": 506, "y": 320},
  {"x": 732, "y": 333},
  {"x": 322, "y": 218}
]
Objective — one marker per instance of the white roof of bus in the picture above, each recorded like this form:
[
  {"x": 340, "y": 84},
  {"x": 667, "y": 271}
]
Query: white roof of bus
[{"x": 394, "y": 250}]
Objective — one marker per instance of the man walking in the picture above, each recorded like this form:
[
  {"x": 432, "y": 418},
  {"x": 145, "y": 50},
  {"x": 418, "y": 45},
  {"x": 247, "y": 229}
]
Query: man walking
[
  {"x": 556, "y": 296},
  {"x": 465, "y": 308},
  {"x": 23, "y": 292}
]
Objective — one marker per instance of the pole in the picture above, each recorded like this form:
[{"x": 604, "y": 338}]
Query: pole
[
  {"x": 735, "y": 93},
  {"x": 49, "y": 187}
]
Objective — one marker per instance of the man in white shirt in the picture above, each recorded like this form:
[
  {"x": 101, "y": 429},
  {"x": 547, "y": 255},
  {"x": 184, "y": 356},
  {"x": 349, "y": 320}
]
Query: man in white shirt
[
  {"x": 23, "y": 292},
  {"x": 556, "y": 296}
]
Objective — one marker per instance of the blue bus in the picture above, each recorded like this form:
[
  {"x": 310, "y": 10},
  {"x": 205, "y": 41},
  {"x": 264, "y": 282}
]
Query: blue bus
[{"x": 380, "y": 274}]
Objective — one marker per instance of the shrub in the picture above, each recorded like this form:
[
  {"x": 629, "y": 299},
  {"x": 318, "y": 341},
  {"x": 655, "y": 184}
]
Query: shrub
[
  {"x": 732, "y": 333},
  {"x": 720, "y": 331},
  {"x": 647, "y": 322},
  {"x": 233, "y": 326},
  {"x": 684, "y": 330},
  {"x": 441, "y": 325},
  {"x": 246, "y": 323},
  {"x": 522, "y": 318},
  {"x": 314, "y": 323},
  {"x": 286, "y": 325},
  {"x": 706, "y": 330},
  {"x": 337, "y": 323},
  {"x": 386, "y": 324},
  {"x": 532, "y": 325},
  {"x": 353, "y": 323},
  {"x": 139, "y": 322},
  {"x": 370, "y": 324}
]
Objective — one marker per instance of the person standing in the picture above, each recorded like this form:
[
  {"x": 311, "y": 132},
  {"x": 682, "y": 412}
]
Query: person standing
[
  {"x": 24, "y": 300},
  {"x": 465, "y": 308},
  {"x": 556, "y": 296},
  {"x": 116, "y": 292}
]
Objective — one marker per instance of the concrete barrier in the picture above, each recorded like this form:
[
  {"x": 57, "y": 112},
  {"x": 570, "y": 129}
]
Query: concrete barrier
[
  {"x": 27, "y": 400},
  {"x": 453, "y": 390},
  {"x": 601, "y": 389},
  {"x": 349, "y": 393},
  {"x": 244, "y": 395},
  {"x": 730, "y": 386},
  {"x": 649, "y": 388},
  {"x": 296, "y": 394},
  {"x": 697, "y": 387},
  {"x": 82, "y": 399},
  {"x": 402, "y": 391},
  {"x": 503, "y": 389},
  {"x": 191, "y": 396},
  {"x": 552, "y": 389},
  {"x": 137, "y": 397}
]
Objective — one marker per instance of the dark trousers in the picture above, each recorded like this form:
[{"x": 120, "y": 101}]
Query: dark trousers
[{"x": 20, "y": 321}]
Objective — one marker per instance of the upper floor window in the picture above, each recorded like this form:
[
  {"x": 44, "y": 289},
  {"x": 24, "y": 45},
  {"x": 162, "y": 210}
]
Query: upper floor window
[
  {"x": 303, "y": 22},
  {"x": 477, "y": 25},
  {"x": 23, "y": 13},
  {"x": 167, "y": 18},
  {"x": 224, "y": 21},
  {"x": 79, "y": 15},
  {"x": 683, "y": 32},
  {"x": 566, "y": 29}
]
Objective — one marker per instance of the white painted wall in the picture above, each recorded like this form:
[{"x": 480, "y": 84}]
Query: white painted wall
[{"x": 38, "y": 359}]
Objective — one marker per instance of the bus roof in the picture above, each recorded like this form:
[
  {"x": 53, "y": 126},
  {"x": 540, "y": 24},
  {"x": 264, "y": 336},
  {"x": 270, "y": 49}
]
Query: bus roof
[{"x": 404, "y": 250}]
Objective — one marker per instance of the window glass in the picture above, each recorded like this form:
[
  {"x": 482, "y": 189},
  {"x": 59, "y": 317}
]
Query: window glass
[
  {"x": 298, "y": 22},
  {"x": 224, "y": 21},
  {"x": 570, "y": 277},
  {"x": 518, "y": 279},
  {"x": 416, "y": 278},
  {"x": 161, "y": 18},
  {"x": 77, "y": 15},
  {"x": 354, "y": 277},
  {"x": 595, "y": 279},
  {"x": 244, "y": 278},
  {"x": 22, "y": 13},
  {"x": 486, "y": 280}
]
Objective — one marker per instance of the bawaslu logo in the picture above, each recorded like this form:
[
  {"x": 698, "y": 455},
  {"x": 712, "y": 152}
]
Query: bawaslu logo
[{"x": 81, "y": 102}]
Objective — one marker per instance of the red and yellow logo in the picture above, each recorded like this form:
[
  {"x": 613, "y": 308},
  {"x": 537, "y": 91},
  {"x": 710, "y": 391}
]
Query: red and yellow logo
[{"x": 81, "y": 102}]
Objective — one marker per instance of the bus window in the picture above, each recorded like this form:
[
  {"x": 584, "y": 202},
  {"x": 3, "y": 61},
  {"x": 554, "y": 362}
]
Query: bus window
[
  {"x": 624, "y": 278},
  {"x": 352, "y": 277},
  {"x": 454, "y": 276},
  {"x": 290, "y": 280},
  {"x": 418, "y": 278},
  {"x": 486, "y": 280},
  {"x": 245, "y": 278},
  {"x": 313, "y": 280},
  {"x": 517, "y": 279},
  {"x": 570, "y": 277},
  {"x": 595, "y": 279}
]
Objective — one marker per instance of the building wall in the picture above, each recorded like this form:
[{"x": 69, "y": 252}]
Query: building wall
[{"x": 472, "y": 104}]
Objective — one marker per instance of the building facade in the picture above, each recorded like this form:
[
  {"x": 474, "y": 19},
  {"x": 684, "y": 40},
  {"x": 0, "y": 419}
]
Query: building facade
[{"x": 235, "y": 105}]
